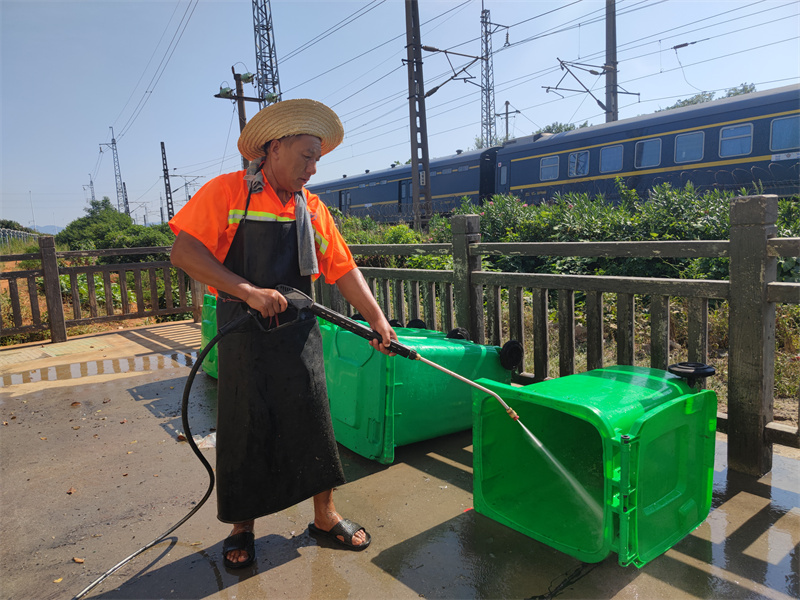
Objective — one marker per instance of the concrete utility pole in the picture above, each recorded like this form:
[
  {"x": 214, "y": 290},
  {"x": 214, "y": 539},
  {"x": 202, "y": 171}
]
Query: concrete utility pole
[
  {"x": 420, "y": 179},
  {"x": 188, "y": 179},
  {"x": 267, "y": 84},
  {"x": 506, "y": 113},
  {"x": 612, "y": 106},
  {"x": 240, "y": 98}
]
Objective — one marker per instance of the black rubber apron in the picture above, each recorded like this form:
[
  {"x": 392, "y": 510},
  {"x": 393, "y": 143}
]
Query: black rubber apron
[{"x": 275, "y": 441}]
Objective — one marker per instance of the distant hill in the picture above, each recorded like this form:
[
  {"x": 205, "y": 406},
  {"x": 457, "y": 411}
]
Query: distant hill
[{"x": 49, "y": 229}]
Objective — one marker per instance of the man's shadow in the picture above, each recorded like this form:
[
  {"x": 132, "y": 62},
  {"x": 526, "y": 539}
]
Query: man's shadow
[{"x": 201, "y": 573}]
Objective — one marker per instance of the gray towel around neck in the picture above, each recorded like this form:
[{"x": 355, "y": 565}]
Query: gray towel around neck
[{"x": 305, "y": 231}]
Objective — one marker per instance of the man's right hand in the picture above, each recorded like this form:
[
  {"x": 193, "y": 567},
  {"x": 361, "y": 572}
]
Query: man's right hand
[{"x": 266, "y": 301}]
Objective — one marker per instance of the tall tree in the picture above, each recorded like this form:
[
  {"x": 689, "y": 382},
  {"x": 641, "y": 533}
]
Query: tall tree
[
  {"x": 100, "y": 220},
  {"x": 744, "y": 88},
  {"x": 556, "y": 127}
]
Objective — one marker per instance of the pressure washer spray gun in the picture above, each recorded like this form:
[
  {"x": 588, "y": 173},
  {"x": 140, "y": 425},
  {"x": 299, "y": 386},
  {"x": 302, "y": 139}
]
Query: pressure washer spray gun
[
  {"x": 301, "y": 301},
  {"x": 510, "y": 356}
]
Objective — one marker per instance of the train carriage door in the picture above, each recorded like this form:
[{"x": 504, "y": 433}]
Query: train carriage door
[
  {"x": 401, "y": 196},
  {"x": 344, "y": 201},
  {"x": 407, "y": 198},
  {"x": 486, "y": 185},
  {"x": 502, "y": 177}
]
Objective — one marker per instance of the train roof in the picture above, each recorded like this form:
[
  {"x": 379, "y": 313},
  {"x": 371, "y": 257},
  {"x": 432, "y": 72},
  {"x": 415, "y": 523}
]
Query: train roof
[
  {"x": 713, "y": 107},
  {"x": 394, "y": 171}
]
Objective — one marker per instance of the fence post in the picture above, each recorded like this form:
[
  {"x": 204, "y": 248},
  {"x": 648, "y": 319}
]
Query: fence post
[
  {"x": 751, "y": 369},
  {"x": 52, "y": 289},
  {"x": 198, "y": 299},
  {"x": 468, "y": 298}
]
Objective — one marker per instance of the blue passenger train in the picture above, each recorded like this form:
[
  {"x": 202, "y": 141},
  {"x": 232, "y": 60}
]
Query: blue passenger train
[{"x": 748, "y": 141}]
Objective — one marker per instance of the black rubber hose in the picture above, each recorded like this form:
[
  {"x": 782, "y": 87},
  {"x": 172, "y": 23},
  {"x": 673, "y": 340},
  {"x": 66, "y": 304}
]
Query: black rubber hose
[{"x": 187, "y": 432}]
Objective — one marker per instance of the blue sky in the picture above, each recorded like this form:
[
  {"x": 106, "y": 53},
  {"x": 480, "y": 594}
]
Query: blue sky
[{"x": 71, "y": 70}]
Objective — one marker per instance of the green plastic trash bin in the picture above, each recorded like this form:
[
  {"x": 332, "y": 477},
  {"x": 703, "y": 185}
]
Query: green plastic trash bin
[
  {"x": 632, "y": 467},
  {"x": 208, "y": 329},
  {"x": 380, "y": 402}
]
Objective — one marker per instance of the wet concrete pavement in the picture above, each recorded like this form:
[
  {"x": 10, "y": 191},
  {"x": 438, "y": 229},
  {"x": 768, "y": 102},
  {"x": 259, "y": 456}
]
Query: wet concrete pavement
[{"x": 91, "y": 469}]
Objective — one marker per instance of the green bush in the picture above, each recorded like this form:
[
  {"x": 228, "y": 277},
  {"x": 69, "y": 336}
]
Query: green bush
[
  {"x": 99, "y": 290},
  {"x": 666, "y": 214}
]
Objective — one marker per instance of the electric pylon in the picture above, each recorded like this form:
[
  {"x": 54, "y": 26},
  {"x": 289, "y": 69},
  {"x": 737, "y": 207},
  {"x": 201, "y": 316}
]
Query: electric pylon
[
  {"x": 267, "y": 84},
  {"x": 91, "y": 186},
  {"x": 122, "y": 200},
  {"x": 488, "y": 130},
  {"x": 167, "y": 187}
]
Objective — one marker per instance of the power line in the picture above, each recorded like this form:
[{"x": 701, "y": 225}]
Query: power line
[
  {"x": 521, "y": 22},
  {"x": 700, "y": 62},
  {"x": 349, "y": 61},
  {"x": 135, "y": 87},
  {"x": 629, "y": 9},
  {"x": 187, "y": 15},
  {"x": 334, "y": 28}
]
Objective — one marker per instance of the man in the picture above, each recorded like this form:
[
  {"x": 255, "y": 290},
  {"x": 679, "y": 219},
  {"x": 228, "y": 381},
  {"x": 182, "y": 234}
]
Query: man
[{"x": 243, "y": 234}]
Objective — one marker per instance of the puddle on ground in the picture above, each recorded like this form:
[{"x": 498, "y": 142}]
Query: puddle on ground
[{"x": 110, "y": 366}]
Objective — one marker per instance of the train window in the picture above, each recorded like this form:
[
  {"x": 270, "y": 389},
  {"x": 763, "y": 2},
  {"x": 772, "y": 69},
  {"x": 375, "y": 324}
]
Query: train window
[
  {"x": 611, "y": 159},
  {"x": 504, "y": 175},
  {"x": 578, "y": 163},
  {"x": 647, "y": 154},
  {"x": 447, "y": 171},
  {"x": 689, "y": 147},
  {"x": 548, "y": 168},
  {"x": 785, "y": 133},
  {"x": 736, "y": 140},
  {"x": 463, "y": 168}
]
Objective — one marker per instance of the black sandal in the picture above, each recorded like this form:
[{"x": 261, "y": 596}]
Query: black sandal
[
  {"x": 345, "y": 528},
  {"x": 244, "y": 540}
]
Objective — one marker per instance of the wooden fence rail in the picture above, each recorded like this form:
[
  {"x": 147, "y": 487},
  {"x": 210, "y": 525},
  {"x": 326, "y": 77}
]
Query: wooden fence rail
[
  {"x": 130, "y": 290},
  {"x": 495, "y": 307}
]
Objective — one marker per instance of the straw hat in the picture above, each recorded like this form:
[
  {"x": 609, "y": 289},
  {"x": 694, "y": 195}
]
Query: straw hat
[{"x": 290, "y": 117}]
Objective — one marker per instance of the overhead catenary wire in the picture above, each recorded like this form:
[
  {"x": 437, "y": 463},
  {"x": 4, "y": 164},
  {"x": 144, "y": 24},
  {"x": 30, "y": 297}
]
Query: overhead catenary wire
[
  {"x": 162, "y": 67},
  {"x": 527, "y": 78},
  {"x": 333, "y": 29},
  {"x": 349, "y": 61},
  {"x": 147, "y": 66},
  {"x": 227, "y": 139},
  {"x": 632, "y": 8},
  {"x": 363, "y": 119}
]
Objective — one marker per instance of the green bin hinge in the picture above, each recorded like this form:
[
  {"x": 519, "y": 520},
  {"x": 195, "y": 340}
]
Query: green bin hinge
[{"x": 628, "y": 539}]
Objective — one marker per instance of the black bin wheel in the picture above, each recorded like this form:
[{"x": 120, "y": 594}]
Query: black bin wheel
[
  {"x": 459, "y": 333},
  {"x": 692, "y": 370},
  {"x": 416, "y": 324},
  {"x": 511, "y": 355}
]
